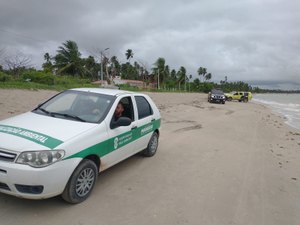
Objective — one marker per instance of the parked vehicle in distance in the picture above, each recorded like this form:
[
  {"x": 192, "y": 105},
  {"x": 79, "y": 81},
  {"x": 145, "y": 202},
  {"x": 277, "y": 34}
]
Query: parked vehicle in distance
[
  {"x": 216, "y": 95},
  {"x": 241, "y": 96},
  {"x": 62, "y": 145}
]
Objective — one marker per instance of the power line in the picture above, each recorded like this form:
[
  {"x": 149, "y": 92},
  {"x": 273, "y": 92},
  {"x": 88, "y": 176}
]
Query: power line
[{"x": 21, "y": 35}]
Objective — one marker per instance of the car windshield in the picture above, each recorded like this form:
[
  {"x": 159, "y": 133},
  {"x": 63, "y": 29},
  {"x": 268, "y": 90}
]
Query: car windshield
[
  {"x": 217, "y": 92},
  {"x": 77, "y": 105}
]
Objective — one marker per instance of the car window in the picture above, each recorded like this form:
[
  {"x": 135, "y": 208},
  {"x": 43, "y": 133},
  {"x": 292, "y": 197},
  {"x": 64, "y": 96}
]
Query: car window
[
  {"x": 126, "y": 104},
  {"x": 143, "y": 106}
]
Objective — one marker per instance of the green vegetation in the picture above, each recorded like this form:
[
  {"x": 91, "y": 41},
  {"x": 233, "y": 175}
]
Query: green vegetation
[{"x": 30, "y": 79}]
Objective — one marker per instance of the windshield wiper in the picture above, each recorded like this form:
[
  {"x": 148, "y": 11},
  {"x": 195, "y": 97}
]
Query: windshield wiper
[
  {"x": 67, "y": 115},
  {"x": 43, "y": 110},
  {"x": 60, "y": 114}
]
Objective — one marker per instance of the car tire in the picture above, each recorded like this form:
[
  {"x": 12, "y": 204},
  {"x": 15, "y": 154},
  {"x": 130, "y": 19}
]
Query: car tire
[
  {"x": 229, "y": 99},
  {"x": 84, "y": 178},
  {"x": 152, "y": 146}
]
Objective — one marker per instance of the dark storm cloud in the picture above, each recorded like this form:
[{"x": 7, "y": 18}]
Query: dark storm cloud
[{"x": 243, "y": 39}]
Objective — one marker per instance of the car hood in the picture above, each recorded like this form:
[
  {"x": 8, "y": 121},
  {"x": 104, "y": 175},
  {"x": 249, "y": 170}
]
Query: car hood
[
  {"x": 219, "y": 95},
  {"x": 31, "y": 131}
]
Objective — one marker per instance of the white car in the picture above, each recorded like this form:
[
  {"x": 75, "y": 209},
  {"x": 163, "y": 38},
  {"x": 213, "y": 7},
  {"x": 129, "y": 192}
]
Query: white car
[{"x": 62, "y": 145}]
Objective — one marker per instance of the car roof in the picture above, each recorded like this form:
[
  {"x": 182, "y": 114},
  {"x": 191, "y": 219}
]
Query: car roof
[{"x": 105, "y": 91}]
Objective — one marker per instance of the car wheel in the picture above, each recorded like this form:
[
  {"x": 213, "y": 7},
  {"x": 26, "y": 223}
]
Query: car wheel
[
  {"x": 223, "y": 102},
  {"x": 81, "y": 183},
  {"x": 229, "y": 99},
  {"x": 152, "y": 145}
]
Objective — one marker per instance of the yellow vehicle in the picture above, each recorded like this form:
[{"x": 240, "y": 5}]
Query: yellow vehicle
[{"x": 241, "y": 96}]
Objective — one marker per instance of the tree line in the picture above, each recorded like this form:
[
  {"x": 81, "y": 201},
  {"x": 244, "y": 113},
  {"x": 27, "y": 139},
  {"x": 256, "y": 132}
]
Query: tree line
[{"x": 68, "y": 61}]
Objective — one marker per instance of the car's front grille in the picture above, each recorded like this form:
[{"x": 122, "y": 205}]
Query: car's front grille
[
  {"x": 218, "y": 97},
  {"x": 7, "y": 156}
]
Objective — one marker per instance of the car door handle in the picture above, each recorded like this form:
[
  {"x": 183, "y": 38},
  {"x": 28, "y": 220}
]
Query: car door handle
[
  {"x": 152, "y": 120},
  {"x": 134, "y": 127}
]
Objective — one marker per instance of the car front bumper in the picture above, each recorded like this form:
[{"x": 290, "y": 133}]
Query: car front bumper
[
  {"x": 219, "y": 100},
  {"x": 36, "y": 183}
]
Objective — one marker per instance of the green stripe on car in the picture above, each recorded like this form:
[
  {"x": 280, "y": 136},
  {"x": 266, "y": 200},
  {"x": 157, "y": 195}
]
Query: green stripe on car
[
  {"x": 103, "y": 148},
  {"x": 30, "y": 135}
]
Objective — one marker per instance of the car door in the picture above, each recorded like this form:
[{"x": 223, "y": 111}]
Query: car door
[
  {"x": 236, "y": 96},
  {"x": 121, "y": 139},
  {"x": 144, "y": 121}
]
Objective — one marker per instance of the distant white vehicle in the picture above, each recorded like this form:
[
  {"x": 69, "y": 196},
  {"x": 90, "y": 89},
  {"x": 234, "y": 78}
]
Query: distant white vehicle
[{"x": 62, "y": 145}]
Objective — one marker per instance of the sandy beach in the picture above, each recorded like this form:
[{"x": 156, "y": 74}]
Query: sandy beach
[{"x": 233, "y": 164}]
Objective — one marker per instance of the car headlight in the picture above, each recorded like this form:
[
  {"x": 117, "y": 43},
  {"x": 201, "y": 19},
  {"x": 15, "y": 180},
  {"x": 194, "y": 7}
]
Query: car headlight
[
  {"x": 212, "y": 96},
  {"x": 40, "y": 158}
]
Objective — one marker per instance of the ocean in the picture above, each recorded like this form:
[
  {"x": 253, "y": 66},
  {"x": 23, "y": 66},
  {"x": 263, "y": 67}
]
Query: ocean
[{"x": 285, "y": 104}]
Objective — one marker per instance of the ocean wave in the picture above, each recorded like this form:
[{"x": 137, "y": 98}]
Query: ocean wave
[
  {"x": 278, "y": 104},
  {"x": 290, "y": 110}
]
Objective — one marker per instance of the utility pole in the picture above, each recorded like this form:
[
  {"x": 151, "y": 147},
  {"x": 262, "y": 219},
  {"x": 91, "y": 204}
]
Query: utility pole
[
  {"x": 190, "y": 82},
  {"x": 158, "y": 79},
  {"x": 185, "y": 82},
  {"x": 101, "y": 64}
]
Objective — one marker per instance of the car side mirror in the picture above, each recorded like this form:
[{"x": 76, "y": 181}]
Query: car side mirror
[{"x": 121, "y": 122}]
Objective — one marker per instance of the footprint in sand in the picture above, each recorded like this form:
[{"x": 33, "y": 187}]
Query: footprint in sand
[
  {"x": 181, "y": 121},
  {"x": 229, "y": 112},
  {"x": 195, "y": 127}
]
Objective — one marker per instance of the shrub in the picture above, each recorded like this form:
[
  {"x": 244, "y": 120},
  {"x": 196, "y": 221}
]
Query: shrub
[
  {"x": 206, "y": 87},
  {"x": 4, "y": 77},
  {"x": 39, "y": 77}
]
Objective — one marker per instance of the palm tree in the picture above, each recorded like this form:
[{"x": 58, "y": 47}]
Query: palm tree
[
  {"x": 160, "y": 70},
  {"x": 47, "y": 57},
  {"x": 68, "y": 59},
  {"x": 91, "y": 67},
  {"x": 47, "y": 66},
  {"x": 181, "y": 75},
  {"x": 129, "y": 54},
  {"x": 208, "y": 76},
  {"x": 173, "y": 75},
  {"x": 202, "y": 71},
  {"x": 116, "y": 67}
]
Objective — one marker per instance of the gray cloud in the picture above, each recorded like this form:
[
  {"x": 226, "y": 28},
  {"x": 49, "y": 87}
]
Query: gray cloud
[{"x": 247, "y": 40}]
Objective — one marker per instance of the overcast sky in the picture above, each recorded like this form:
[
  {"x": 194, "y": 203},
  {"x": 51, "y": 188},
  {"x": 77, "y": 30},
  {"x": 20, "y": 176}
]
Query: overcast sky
[{"x": 256, "y": 41}]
